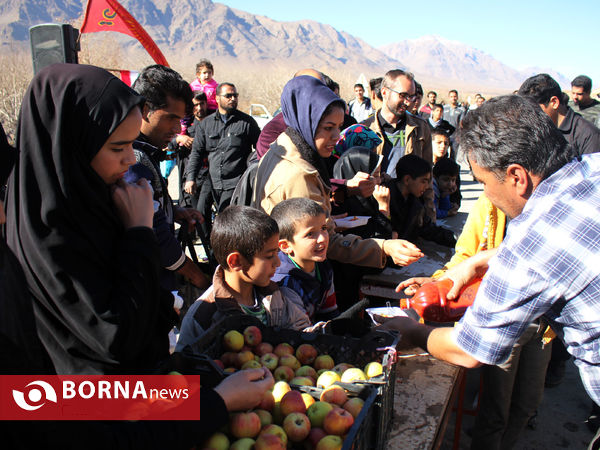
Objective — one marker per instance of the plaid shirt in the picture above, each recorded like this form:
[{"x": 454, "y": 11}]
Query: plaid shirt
[{"x": 548, "y": 265}]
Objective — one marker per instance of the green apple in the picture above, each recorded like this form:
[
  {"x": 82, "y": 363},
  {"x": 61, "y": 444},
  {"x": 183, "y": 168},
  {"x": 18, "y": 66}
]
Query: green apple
[{"x": 316, "y": 413}]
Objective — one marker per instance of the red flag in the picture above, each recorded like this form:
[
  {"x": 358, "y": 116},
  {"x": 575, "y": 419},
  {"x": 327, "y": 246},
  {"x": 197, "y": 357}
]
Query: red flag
[
  {"x": 128, "y": 76},
  {"x": 109, "y": 15}
]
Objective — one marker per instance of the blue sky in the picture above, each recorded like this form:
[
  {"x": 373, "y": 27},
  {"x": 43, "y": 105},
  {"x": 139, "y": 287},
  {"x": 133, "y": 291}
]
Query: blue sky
[{"x": 524, "y": 33}]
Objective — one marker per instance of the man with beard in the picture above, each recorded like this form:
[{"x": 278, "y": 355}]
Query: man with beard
[
  {"x": 589, "y": 108},
  {"x": 401, "y": 133},
  {"x": 226, "y": 138}
]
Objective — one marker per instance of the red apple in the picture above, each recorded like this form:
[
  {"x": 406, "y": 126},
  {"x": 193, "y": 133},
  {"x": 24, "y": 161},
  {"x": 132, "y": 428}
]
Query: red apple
[
  {"x": 252, "y": 336},
  {"x": 263, "y": 348},
  {"x": 265, "y": 417},
  {"x": 275, "y": 430},
  {"x": 353, "y": 406},
  {"x": 283, "y": 373},
  {"x": 330, "y": 443},
  {"x": 290, "y": 361},
  {"x": 306, "y": 354},
  {"x": 229, "y": 359},
  {"x": 292, "y": 402},
  {"x": 284, "y": 349},
  {"x": 296, "y": 426},
  {"x": 334, "y": 394},
  {"x": 315, "y": 435},
  {"x": 269, "y": 442},
  {"x": 338, "y": 421},
  {"x": 244, "y": 425},
  {"x": 317, "y": 413},
  {"x": 270, "y": 361},
  {"x": 324, "y": 362},
  {"x": 233, "y": 341},
  {"x": 267, "y": 401}
]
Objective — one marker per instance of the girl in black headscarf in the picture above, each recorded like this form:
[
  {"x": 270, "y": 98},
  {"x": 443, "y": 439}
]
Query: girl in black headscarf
[
  {"x": 361, "y": 159},
  {"x": 82, "y": 235}
]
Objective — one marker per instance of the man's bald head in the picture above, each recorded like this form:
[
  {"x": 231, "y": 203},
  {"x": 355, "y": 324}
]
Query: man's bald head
[{"x": 311, "y": 73}]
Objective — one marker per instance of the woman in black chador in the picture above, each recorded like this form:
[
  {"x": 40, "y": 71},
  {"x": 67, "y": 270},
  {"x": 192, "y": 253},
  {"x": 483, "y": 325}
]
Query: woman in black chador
[{"x": 82, "y": 235}]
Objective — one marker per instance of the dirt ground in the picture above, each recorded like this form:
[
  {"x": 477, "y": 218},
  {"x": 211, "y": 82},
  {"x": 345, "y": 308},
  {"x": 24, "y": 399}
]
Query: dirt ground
[{"x": 560, "y": 422}]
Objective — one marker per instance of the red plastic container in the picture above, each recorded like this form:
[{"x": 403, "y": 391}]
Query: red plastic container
[{"x": 432, "y": 305}]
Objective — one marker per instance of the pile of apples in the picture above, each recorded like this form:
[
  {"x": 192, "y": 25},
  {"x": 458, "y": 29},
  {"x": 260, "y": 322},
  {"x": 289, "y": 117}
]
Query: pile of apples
[{"x": 286, "y": 417}]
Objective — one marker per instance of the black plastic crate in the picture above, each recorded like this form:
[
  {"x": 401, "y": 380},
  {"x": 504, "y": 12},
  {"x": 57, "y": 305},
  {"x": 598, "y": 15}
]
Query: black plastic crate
[
  {"x": 377, "y": 346},
  {"x": 360, "y": 436}
]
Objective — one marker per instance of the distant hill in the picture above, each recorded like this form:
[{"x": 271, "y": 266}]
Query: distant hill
[
  {"x": 187, "y": 30},
  {"x": 444, "y": 59},
  {"x": 190, "y": 29}
]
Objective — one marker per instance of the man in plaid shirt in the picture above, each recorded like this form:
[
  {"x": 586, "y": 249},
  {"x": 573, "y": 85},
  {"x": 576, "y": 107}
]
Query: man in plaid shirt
[{"x": 549, "y": 262}]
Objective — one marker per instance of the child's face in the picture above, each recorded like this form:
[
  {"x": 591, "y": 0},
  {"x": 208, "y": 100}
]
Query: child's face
[
  {"x": 204, "y": 75},
  {"x": 311, "y": 240},
  {"x": 265, "y": 263},
  {"x": 447, "y": 184},
  {"x": 440, "y": 145},
  {"x": 417, "y": 186}
]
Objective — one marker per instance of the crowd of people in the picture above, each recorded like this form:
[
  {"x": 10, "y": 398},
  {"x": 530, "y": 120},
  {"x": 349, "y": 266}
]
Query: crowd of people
[{"x": 90, "y": 258}]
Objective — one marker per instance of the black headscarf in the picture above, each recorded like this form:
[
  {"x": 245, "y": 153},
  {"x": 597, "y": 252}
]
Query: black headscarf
[
  {"x": 304, "y": 99},
  {"x": 63, "y": 227},
  {"x": 354, "y": 160}
]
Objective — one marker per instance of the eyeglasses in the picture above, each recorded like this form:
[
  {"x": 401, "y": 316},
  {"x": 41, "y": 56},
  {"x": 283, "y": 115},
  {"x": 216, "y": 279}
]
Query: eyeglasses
[
  {"x": 230, "y": 95},
  {"x": 404, "y": 95}
]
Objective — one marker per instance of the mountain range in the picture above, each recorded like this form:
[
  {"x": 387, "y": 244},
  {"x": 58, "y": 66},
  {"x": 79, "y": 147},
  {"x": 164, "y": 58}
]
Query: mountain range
[{"x": 186, "y": 30}]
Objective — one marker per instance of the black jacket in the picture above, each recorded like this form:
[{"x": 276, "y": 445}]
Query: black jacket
[
  {"x": 580, "y": 133},
  {"x": 227, "y": 145}
]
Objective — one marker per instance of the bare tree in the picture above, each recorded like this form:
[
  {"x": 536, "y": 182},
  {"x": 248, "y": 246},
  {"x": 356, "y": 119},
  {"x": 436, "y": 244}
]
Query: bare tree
[{"x": 15, "y": 76}]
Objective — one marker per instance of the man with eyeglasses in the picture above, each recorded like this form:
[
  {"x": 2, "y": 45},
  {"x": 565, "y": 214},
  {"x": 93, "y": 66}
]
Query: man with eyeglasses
[
  {"x": 226, "y": 138},
  {"x": 401, "y": 133}
]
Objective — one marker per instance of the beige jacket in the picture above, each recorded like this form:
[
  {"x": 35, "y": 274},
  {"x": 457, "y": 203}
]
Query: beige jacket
[{"x": 282, "y": 174}]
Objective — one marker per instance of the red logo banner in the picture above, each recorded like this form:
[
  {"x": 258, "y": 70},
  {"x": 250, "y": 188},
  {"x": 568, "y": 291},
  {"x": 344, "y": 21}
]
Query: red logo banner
[
  {"x": 100, "y": 397},
  {"x": 109, "y": 15}
]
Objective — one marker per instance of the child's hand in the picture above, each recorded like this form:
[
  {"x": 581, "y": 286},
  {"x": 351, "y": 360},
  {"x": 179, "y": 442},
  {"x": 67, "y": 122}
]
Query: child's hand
[
  {"x": 402, "y": 252},
  {"x": 134, "y": 203},
  {"x": 382, "y": 195},
  {"x": 361, "y": 184}
]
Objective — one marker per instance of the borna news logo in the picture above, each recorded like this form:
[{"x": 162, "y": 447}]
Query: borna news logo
[{"x": 35, "y": 399}]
